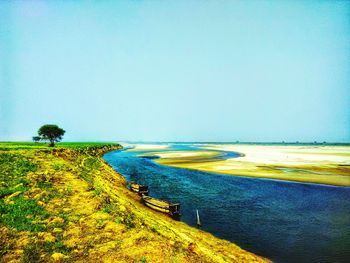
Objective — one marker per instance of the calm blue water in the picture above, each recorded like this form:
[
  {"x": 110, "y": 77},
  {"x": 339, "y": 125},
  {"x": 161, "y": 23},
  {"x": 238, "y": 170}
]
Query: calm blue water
[{"x": 283, "y": 221}]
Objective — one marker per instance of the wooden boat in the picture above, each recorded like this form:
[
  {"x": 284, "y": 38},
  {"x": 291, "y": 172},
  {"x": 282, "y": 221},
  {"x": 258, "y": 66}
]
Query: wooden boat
[
  {"x": 172, "y": 209},
  {"x": 138, "y": 188}
]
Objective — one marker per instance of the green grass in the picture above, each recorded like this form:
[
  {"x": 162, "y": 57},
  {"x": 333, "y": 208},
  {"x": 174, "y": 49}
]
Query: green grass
[
  {"x": 18, "y": 212},
  {"x": 42, "y": 145},
  {"x": 14, "y": 169},
  {"x": 143, "y": 259},
  {"x": 22, "y": 213}
]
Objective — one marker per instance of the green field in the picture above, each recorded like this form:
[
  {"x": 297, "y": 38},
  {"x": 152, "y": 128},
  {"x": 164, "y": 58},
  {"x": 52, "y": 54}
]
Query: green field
[{"x": 42, "y": 145}]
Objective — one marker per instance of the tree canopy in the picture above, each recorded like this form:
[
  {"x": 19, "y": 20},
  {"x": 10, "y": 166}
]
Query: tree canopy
[
  {"x": 51, "y": 132},
  {"x": 36, "y": 138}
]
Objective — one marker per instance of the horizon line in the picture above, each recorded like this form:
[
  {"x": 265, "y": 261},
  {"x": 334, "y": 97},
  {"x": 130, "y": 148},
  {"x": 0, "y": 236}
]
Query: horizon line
[{"x": 210, "y": 142}]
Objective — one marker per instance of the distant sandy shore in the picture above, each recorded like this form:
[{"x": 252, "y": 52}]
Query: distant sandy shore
[
  {"x": 194, "y": 155},
  {"x": 310, "y": 164},
  {"x": 146, "y": 147}
]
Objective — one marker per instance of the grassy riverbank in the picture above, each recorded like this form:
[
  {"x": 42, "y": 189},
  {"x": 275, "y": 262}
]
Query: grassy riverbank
[
  {"x": 65, "y": 204},
  {"x": 322, "y": 164}
]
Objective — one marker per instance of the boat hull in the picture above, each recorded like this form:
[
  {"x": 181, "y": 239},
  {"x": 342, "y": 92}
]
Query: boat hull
[{"x": 172, "y": 209}]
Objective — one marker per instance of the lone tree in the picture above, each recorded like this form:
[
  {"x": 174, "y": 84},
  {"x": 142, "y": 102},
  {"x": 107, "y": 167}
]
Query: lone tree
[
  {"x": 36, "y": 138},
  {"x": 51, "y": 132}
]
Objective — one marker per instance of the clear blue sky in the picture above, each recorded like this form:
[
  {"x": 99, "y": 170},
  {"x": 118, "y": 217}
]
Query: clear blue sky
[{"x": 176, "y": 70}]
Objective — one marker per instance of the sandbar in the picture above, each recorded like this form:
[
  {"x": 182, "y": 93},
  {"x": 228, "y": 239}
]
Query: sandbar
[
  {"x": 146, "y": 147},
  {"x": 300, "y": 163}
]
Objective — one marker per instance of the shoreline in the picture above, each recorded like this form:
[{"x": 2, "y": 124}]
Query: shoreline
[{"x": 82, "y": 194}]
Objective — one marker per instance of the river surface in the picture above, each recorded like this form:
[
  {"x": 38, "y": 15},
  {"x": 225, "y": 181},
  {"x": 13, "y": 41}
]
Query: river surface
[{"x": 283, "y": 221}]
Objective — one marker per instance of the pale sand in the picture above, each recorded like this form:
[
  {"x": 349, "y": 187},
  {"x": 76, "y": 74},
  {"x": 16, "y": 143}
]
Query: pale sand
[
  {"x": 288, "y": 155},
  {"x": 184, "y": 154},
  {"x": 147, "y": 147},
  {"x": 313, "y": 164}
]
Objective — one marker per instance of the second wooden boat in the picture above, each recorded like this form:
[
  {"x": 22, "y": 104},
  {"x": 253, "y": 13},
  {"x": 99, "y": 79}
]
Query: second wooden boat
[{"x": 139, "y": 188}]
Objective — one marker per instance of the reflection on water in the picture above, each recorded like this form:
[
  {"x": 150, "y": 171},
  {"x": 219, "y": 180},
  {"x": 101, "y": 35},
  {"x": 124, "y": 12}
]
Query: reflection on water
[{"x": 283, "y": 221}]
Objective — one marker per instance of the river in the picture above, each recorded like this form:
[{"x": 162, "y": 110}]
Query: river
[{"x": 283, "y": 221}]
